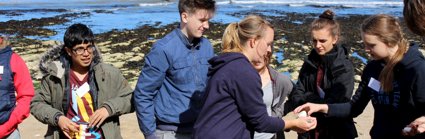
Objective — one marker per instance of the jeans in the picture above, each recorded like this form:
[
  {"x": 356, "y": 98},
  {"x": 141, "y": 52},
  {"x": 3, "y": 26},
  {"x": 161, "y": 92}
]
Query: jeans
[
  {"x": 14, "y": 135},
  {"x": 160, "y": 134}
]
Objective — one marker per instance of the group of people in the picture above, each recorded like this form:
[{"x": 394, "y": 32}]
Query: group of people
[{"x": 186, "y": 91}]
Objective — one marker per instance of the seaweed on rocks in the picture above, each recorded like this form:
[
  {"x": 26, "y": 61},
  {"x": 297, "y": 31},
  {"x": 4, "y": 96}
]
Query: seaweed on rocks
[{"x": 35, "y": 26}]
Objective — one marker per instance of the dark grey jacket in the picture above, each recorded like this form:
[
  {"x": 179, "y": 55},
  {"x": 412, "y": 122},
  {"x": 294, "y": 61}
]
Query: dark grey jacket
[{"x": 282, "y": 86}]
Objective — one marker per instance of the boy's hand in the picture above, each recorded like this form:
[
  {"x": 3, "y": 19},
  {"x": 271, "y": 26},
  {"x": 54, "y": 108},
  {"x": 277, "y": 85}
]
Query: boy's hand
[
  {"x": 98, "y": 117},
  {"x": 67, "y": 126}
]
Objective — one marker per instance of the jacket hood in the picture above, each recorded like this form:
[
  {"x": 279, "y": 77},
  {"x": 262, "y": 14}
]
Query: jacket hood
[
  {"x": 55, "y": 60},
  {"x": 412, "y": 57},
  {"x": 221, "y": 60}
]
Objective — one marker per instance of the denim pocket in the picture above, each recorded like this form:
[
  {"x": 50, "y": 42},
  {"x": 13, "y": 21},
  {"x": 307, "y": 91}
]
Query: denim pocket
[{"x": 181, "y": 72}]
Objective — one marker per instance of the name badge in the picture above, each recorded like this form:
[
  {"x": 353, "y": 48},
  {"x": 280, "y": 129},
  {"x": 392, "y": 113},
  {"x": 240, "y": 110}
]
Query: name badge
[
  {"x": 1, "y": 69},
  {"x": 374, "y": 84},
  {"x": 83, "y": 89}
]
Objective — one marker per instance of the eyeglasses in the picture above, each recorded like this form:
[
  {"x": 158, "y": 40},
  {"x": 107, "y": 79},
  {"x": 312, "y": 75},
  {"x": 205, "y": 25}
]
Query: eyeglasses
[{"x": 81, "y": 50}]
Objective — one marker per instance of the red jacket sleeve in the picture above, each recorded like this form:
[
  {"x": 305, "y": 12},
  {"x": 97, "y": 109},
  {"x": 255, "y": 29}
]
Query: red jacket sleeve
[{"x": 24, "y": 93}]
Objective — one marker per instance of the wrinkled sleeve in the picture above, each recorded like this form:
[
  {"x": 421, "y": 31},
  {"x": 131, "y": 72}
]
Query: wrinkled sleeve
[
  {"x": 356, "y": 105},
  {"x": 41, "y": 104},
  {"x": 248, "y": 96},
  {"x": 418, "y": 89},
  {"x": 121, "y": 103},
  {"x": 150, "y": 80}
]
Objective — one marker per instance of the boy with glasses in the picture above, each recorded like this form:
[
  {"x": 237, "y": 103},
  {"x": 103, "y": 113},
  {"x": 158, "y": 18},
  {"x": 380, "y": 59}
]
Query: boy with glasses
[{"x": 80, "y": 95}]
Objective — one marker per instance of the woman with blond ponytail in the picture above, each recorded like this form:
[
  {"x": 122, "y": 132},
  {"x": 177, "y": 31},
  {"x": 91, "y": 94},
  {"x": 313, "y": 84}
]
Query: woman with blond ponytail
[
  {"x": 233, "y": 106},
  {"x": 394, "y": 80}
]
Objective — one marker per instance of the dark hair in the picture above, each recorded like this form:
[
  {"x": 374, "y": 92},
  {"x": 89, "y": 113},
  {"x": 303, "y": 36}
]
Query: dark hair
[
  {"x": 190, "y": 6},
  {"x": 78, "y": 34},
  {"x": 414, "y": 15},
  {"x": 326, "y": 20},
  {"x": 237, "y": 34},
  {"x": 387, "y": 29}
]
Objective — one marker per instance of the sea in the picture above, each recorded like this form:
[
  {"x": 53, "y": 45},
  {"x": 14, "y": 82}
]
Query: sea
[{"x": 129, "y": 14}]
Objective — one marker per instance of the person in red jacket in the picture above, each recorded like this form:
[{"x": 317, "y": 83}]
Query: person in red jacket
[{"x": 16, "y": 91}]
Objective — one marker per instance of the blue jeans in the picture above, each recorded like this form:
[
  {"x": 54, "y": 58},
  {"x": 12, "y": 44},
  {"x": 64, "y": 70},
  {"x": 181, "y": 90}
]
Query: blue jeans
[{"x": 14, "y": 135}]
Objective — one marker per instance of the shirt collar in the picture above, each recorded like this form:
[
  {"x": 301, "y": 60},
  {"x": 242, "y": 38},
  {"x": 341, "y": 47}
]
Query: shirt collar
[{"x": 195, "y": 42}]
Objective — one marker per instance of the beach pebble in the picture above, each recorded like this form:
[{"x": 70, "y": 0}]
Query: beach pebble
[
  {"x": 407, "y": 129},
  {"x": 302, "y": 114}
]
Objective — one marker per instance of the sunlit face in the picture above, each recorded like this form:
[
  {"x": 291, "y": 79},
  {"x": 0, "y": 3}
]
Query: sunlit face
[
  {"x": 376, "y": 48},
  {"x": 84, "y": 59},
  {"x": 263, "y": 48},
  {"x": 323, "y": 41},
  {"x": 196, "y": 23}
]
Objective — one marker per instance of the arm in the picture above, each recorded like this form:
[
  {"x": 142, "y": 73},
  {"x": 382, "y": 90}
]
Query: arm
[
  {"x": 121, "y": 103},
  {"x": 24, "y": 90},
  {"x": 357, "y": 104},
  {"x": 119, "y": 94},
  {"x": 349, "y": 109},
  {"x": 418, "y": 95},
  {"x": 41, "y": 104},
  {"x": 301, "y": 124},
  {"x": 248, "y": 97},
  {"x": 150, "y": 80}
]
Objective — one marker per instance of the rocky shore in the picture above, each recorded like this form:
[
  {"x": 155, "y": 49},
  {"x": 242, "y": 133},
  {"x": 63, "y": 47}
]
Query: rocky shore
[{"x": 125, "y": 49}]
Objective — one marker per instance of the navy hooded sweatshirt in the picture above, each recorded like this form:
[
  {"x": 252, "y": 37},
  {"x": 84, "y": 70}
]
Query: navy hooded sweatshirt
[
  {"x": 233, "y": 104},
  {"x": 393, "y": 110}
]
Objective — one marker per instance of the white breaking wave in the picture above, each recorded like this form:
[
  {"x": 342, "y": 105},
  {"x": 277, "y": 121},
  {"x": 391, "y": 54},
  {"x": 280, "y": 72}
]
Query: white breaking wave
[
  {"x": 320, "y": 3},
  {"x": 155, "y": 4}
]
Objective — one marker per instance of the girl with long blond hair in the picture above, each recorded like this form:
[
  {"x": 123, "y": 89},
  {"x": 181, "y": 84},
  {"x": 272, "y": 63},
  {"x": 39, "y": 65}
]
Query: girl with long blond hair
[{"x": 393, "y": 80}]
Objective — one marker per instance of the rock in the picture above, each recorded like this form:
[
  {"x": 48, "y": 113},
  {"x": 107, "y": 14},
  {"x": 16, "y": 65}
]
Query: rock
[
  {"x": 136, "y": 49},
  {"x": 294, "y": 75},
  {"x": 50, "y": 43},
  {"x": 422, "y": 51},
  {"x": 357, "y": 78},
  {"x": 103, "y": 44},
  {"x": 306, "y": 48},
  {"x": 118, "y": 64},
  {"x": 136, "y": 58}
]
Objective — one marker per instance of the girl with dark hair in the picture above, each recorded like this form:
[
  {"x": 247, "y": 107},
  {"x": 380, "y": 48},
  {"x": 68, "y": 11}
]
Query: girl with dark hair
[{"x": 326, "y": 77}]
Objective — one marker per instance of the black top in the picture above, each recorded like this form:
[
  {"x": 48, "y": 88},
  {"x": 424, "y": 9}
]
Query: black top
[
  {"x": 393, "y": 110},
  {"x": 338, "y": 85}
]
